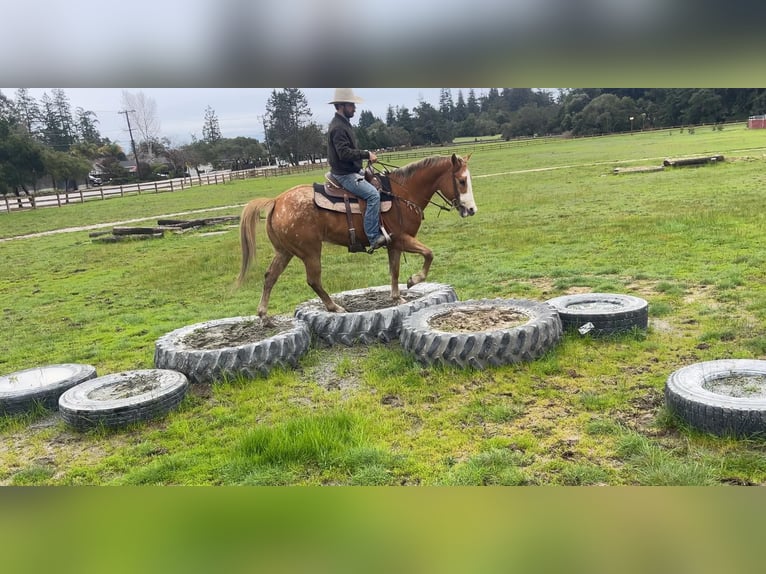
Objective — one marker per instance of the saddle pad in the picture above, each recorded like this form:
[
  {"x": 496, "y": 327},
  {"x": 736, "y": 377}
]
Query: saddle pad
[{"x": 335, "y": 202}]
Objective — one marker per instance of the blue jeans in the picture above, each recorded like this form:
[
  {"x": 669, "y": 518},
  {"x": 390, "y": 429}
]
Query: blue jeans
[{"x": 356, "y": 184}]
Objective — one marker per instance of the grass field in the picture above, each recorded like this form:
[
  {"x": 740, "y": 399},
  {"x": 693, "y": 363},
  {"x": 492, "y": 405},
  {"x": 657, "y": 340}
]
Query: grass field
[{"x": 553, "y": 219}]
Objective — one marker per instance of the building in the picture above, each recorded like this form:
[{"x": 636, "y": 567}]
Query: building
[{"x": 756, "y": 122}]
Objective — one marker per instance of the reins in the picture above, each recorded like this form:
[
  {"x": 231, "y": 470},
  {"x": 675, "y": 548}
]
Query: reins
[{"x": 454, "y": 204}]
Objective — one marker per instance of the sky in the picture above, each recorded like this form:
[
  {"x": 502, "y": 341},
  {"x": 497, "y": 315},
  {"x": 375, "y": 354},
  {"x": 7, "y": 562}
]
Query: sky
[{"x": 181, "y": 111}]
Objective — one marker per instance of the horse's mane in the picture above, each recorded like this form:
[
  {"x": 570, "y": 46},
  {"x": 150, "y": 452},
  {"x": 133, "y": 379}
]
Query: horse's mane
[{"x": 404, "y": 173}]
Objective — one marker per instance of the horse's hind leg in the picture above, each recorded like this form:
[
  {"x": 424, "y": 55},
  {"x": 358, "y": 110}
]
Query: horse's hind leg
[
  {"x": 278, "y": 264},
  {"x": 314, "y": 279}
]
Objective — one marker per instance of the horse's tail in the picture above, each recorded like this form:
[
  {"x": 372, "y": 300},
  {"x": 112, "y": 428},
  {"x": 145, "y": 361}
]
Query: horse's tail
[{"x": 247, "y": 226}]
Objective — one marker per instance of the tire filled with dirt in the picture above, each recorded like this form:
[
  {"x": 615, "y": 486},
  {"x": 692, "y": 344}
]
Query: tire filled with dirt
[
  {"x": 371, "y": 316},
  {"x": 121, "y": 399},
  {"x": 481, "y": 333},
  {"x": 248, "y": 346}
]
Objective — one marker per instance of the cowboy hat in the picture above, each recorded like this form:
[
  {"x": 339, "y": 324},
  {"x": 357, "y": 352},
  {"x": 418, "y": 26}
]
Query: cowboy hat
[{"x": 345, "y": 96}]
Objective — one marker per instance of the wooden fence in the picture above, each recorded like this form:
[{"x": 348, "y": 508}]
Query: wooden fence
[{"x": 9, "y": 203}]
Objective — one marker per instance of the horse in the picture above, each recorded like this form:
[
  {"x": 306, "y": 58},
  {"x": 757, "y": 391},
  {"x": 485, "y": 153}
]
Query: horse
[{"x": 296, "y": 227}]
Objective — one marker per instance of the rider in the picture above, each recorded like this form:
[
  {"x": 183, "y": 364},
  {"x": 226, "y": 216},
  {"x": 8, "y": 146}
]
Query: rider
[{"x": 345, "y": 160}]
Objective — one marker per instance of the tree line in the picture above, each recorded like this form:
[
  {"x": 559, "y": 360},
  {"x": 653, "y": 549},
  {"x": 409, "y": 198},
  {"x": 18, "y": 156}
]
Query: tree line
[{"x": 48, "y": 139}]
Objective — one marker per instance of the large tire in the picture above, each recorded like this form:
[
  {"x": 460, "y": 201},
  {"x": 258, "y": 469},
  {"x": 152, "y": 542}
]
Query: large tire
[
  {"x": 481, "y": 349},
  {"x": 609, "y": 313},
  {"x": 121, "y": 399},
  {"x": 249, "y": 359},
  {"x": 367, "y": 327},
  {"x": 22, "y": 390},
  {"x": 705, "y": 396}
]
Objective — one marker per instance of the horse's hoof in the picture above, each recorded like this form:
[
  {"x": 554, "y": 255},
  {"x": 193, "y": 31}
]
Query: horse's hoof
[
  {"x": 399, "y": 300},
  {"x": 410, "y": 283},
  {"x": 337, "y": 309}
]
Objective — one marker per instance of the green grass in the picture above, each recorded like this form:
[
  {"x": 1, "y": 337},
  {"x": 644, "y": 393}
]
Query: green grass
[{"x": 591, "y": 412}]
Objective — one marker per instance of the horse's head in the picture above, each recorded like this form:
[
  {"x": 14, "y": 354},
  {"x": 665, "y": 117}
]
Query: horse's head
[{"x": 462, "y": 189}]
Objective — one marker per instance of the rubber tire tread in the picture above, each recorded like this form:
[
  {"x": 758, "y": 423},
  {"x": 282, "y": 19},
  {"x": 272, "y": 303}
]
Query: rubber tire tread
[
  {"x": 22, "y": 400},
  {"x": 258, "y": 358},
  {"x": 83, "y": 413},
  {"x": 368, "y": 327},
  {"x": 714, "y": 413},
  {"x": 482, "y": 349},
  {"x": 634, "y": 315}
]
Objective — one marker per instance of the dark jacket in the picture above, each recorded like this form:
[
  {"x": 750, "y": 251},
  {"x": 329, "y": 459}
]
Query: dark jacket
[{"x": 342, "y": 152}]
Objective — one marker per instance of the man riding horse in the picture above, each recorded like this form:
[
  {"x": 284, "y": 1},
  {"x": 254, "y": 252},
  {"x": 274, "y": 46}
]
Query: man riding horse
[{"x": 345, "y": 159}]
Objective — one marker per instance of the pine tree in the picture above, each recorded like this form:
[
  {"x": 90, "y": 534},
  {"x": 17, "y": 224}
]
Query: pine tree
[{"x": 211, "y": 130}]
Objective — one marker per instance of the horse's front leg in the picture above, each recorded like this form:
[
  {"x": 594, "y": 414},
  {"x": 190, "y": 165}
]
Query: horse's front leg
[
  {"x": 412, "y": 245},
  {"x": 394, "y": 259}
]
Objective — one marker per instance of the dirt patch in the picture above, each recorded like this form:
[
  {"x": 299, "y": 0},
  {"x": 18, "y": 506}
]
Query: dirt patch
[
  {"x": 372, "y": 300},
  {"x": 484, "y": 319},
  {"x": 133, "y": 385},
  {"x": 741, "y": 386},
  {"x": 234, "y": 334}
]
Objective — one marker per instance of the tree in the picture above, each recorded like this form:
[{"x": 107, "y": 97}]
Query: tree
[
  {"x": 446, "y": 107},
  {"x": 704, "y": 106},
  {"x": 64, "y": 166},
  {"x": 27, "y": 110},
  {"x": 85, "y": 124},
  {"x": 211, "y": 130},
  {"x": 21, "y": 162},
  {"x": 290, "y": 132},
  {"x": 143, "y": 110},
  {"x": 472, "y": 106},
  {"x": 58, "y": 126}
]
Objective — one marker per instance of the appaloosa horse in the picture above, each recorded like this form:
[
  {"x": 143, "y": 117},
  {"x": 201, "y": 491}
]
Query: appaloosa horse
[{"x": 296, "y": 227}]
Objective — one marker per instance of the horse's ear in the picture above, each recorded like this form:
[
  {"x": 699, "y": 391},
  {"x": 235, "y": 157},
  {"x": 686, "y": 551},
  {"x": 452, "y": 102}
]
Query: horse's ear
[{"x": 466, "y": 158}]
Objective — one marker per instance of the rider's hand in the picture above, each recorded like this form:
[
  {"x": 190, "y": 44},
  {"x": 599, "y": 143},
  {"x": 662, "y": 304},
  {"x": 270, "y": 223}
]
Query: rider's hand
[{"x": 373, "y": 158}]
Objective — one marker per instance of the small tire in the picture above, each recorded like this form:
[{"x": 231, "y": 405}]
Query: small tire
[
  {"x": 482, "y": 349},
  {"x": 690, "y": 394},
  {"x": 121, "y": 399},
  {"x": 609, "y": 313},
  {"x": 250, "y": 359},
  {"x": 368, "y": 327},
  {"x": 22, "y": 390}
]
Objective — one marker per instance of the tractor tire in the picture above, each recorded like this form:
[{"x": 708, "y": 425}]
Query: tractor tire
[
  {"x": 481, "y": 349},
  {"x": 367, "y": 327},
  {"x": 250, "y": 359}
]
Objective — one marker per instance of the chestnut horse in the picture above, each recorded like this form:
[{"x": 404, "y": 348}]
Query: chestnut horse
[{"x": 296, "y": 227}]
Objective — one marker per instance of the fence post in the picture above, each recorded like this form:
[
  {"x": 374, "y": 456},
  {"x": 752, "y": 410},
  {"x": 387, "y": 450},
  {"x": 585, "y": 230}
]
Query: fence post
[
  {"x": 82, "y": 198},
  {"x": 58, "y": 199},
  {"x": 7, "y": 205},
  {"x": 155, "y": 188},
  {"x": 101, "y": 190},
  {"x": 122, "y": 191}
]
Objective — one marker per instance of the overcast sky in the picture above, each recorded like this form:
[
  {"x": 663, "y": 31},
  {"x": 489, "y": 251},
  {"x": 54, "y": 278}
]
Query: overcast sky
[{"x": 181, "y": 111}]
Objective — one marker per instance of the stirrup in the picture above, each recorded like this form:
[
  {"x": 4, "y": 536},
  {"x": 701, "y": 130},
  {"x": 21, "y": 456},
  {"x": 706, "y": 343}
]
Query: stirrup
[{"x": 386, "y": 235}]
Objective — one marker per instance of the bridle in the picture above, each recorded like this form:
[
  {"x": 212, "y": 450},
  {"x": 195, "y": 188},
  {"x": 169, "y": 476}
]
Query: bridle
[
  {"x": 450, "y": 204},
  {"x": 455, "y": 203}
]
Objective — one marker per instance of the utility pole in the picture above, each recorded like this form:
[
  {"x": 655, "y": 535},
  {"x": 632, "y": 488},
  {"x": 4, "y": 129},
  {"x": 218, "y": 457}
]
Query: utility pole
[{"x": 132, "y": 142}]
